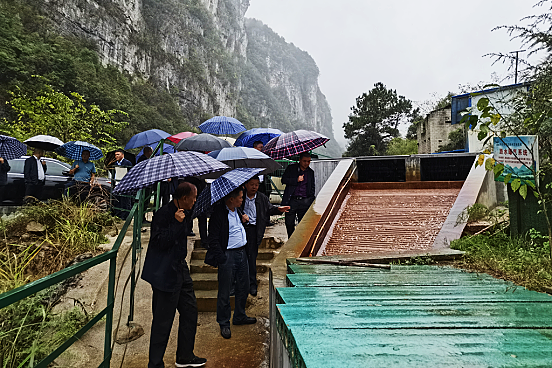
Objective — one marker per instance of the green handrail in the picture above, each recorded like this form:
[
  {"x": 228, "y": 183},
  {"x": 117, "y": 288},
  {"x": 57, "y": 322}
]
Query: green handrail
[{"x": 24, "y": 291}]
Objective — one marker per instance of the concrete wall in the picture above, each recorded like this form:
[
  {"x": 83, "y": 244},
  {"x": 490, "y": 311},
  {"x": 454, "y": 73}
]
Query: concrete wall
[
  {"x": 433, "y": 132},
  {"x": 492, "y": 192}
]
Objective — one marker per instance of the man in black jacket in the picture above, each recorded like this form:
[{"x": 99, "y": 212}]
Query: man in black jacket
[
  {"x": 299, "y": 192},
  {"x": 34, "y": 175},
  {"x": 166, "y": 270},
  {"x": 4, "y": 168},
  {"x": 258, "y": 209},
  {"x": 227, "y": 240}
]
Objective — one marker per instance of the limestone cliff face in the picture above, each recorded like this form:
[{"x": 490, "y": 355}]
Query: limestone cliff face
[{"x": 207, "y": 54}]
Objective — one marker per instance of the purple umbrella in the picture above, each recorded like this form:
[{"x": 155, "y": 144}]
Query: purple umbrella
[{"x": 294, "y": 143}]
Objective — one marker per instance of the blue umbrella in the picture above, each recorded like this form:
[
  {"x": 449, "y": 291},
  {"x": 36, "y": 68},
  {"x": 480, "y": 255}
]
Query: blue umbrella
[
  {"x": 246, "y": 139},
  {"x": 167, "y": 148},
  {"x": 179, "y": 164},
  {"x": 11, "y": 148},
  {"x": 146, "y": 138},
  {"x": 73, "y": 150},
  {"x": 237, "y": 157},
  {"x": 222, "y": 125},
  {"x": 221, "y": 187}
]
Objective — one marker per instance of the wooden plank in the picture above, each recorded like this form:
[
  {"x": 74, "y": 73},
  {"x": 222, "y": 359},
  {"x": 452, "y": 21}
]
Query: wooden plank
[
  {"x": 391, "y": 278},
  {"x": 410, "y": 294},
  {"x": 426, "y": 348},
  {"x": 483, "y": 315}
]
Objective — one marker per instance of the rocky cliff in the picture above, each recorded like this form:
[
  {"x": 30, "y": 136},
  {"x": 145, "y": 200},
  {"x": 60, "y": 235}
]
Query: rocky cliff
[{"x": 211, "y": 58}]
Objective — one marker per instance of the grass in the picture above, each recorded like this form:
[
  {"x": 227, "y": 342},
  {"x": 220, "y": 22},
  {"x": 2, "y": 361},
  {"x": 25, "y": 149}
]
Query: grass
[
  {"x": 30, "y": 329},
  {"x": 523, "y": 260}
]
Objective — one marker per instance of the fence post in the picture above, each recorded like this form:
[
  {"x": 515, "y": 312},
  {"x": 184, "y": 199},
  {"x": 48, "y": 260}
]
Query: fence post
[
  {"x": 136, "y": 243},
  {"x": 109, "y": 315}
]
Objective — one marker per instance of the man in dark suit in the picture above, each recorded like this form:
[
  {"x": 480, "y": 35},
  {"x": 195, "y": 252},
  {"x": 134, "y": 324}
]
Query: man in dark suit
[
  {"x": 123, "y": 202},
  {"x": 166, "y": 270},
  {"x": 227, "y": 240},
  {"x": 299, "y": 192},
  {"x": 34, "y": 174},
  {"x": 258, "y": 209},
  {"x": 4, "y": 169}
]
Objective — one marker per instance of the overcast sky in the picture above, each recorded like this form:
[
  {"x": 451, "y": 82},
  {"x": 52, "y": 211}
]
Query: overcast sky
[{"x": 421, "y": 48}]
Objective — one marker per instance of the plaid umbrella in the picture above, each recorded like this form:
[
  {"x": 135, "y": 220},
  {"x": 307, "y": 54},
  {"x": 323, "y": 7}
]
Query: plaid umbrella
[
  {"x": 221, "y": 187},
  {"x": 148, "y": 137},
  {"x": 246, "y": 139},
  {"x": 45, "y": 142},
  {"x": 11, "y": 148},
  {"x": 222, "y": 125},
  {"x": 73, "y": 150},
  {"x": 294, "y": 143},
  {"x": 236, "y": 157},
  {"x": 180, "y": 164}
]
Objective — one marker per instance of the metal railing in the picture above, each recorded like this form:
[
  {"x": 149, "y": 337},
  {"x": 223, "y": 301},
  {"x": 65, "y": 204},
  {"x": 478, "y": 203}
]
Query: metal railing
[{"x": 110, "y": 256}]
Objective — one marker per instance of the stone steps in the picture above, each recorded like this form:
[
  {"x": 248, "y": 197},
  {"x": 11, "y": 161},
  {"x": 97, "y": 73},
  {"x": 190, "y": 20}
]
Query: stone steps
[{"x": 198, "y": 266}]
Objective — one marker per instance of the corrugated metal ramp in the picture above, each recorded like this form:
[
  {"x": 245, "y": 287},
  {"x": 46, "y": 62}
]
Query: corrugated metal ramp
[{"x": 411, "y": 316}]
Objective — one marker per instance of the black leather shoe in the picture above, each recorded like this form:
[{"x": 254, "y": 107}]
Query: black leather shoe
[
  {"x": 253, "y": 291},
  {"x": 246, "y": 321},
  {"x": 225, "y": 332}
]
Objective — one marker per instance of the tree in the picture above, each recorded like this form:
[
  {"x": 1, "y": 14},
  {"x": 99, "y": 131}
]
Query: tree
[
  {"x": 529, "y": 113},
  {"x": 374, "y": 121},
  {"x": 65, "y": 117},
  {"x": 399, "y": 146}
]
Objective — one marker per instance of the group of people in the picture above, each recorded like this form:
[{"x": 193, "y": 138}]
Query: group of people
[{"x": 236, "y": 228}]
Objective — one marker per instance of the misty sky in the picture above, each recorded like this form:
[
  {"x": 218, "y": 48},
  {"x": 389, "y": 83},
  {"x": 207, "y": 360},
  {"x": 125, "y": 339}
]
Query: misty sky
[{"x": 422, "y": 48}]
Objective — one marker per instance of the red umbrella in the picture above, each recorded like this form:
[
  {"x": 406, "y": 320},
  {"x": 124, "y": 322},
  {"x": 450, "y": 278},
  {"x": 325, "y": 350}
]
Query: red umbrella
[
  {"x": 180, "y": 136},
  {"x": 294, "y": 143}
]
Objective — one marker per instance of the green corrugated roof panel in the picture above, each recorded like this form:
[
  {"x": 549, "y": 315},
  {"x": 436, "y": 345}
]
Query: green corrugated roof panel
[{"x": 412, "y": 316}]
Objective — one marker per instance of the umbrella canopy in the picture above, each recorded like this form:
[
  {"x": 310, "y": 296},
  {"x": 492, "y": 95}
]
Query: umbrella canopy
[
  {"x": 11, "y": 148},
  {"x": 294, "y": 143},
  {"x": 166, "y": 148},
  {"x": 237, "y": 157},
  {"x": 45, "y": 142},
  {"x": 230, "y": 140},
  {"x": 222, "y": 125},
  {"x": 73, "y": 150},
  {"x": 246, "y": 139},
  {"x": 221, "y": 187},
  {"x": 145, "y": 138},
  {"x": 110, "y": 158},
  {"x": 202, "y": 143},
  {"x": 180, "y": 136},
  {"x": 179, "y": 164}
]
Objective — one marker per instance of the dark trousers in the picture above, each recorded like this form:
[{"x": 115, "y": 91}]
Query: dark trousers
[
  {"x": 164, "y": 307},
  {"x": 202, "y": 224},
  {"x": 33, "y": 190},
  {"x": 298, "y": 208},
  {"x": 2, "y": 193},
  {"x": 235, "y": 267},
  {"x": 123, "y": 202},
  {"x": 252, "y": 250}
]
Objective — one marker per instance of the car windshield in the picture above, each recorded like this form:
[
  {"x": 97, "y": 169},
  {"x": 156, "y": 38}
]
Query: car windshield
[{"x": 16, "y": 166}]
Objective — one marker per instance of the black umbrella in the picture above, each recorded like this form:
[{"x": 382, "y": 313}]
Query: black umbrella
[
  {"x": 202, "y": 143},
  {"x": 45, "y": 142}
]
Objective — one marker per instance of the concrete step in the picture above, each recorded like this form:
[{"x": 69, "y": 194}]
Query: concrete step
[
  {"x": 207, "y": 300},
  {"x": 264, "y": 254},
  {"x": 267, "y": 243},
  {"x": 205, "y": 281},
  {"x": 198, "y": 266}
]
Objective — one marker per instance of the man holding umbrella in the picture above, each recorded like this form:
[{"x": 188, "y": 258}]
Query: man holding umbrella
[
  {"x": 166, "y": 270},
  {"x": 34, "y": 174},
  {"x": 84, "y": 173}
]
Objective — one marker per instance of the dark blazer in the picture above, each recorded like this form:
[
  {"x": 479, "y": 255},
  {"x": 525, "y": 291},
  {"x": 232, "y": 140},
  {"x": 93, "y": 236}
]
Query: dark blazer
[
  {"x": 30, "y": 172},
  {"x": 167, "y": 250},
  {"x": 290, "y": 180},
  {"x": 264, "y": 210},
  {"x": 219, "y": 229},
  {"x": 4, "y": 168},
  {"x": 124, "y": 163}
]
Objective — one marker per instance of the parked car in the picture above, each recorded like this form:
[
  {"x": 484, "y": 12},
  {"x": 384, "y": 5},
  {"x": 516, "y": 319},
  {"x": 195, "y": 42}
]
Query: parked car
[{"x": 56, "y": 179}]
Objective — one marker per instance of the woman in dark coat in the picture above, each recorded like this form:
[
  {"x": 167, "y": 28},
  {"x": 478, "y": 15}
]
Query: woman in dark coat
[{"x": 4, "y": 168}]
